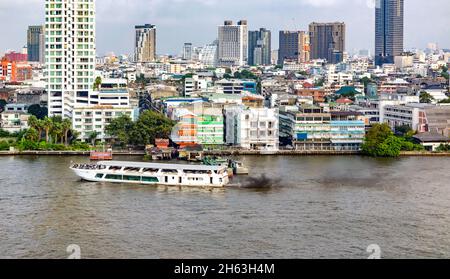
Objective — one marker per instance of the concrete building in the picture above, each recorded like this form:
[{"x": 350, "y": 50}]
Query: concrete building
[
  {"x": 293, "y": 46},
  {"x": 259, "y": 47},
  {"x": 233, "y": 44},
  {"x": 69, "y": 54},
  {"x": 389, "y": 18},
  {"x": 89, "y": 120},
  {"x": 327, "y": 41},
  {"x": 36, "y": 44},
  {"x": 195, "y": 84},
  {"x": 145, "y": 43},
  {"x": 187, "y": 51},
  {"x": 313, "y": 128},
  {"x": 14, "y": 118},
  {"x": 254, "y": 128},
  {"x": 208, "y": 55},
  {"x": 236, "y": 86}
]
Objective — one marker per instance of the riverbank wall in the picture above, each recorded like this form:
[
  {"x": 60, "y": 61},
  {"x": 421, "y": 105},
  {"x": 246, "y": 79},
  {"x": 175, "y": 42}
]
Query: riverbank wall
[{"x": 223, "y": 153}]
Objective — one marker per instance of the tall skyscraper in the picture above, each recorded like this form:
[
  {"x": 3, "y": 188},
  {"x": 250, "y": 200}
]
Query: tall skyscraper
[
  {"x": 145, "y": 45},
  {"x": 389, "y": 17},
  {"x": 327, "y": 41},
  {"x": 208, "y": 54},
  {"x": 259, "y": 47},
  {"x": 187, "y": 51},
  {"x": 294, "y": 46},
  {"x": 69, "y": 54},
  {"x": 36, "y": 43},
  {"x": 233, "y": 44}
]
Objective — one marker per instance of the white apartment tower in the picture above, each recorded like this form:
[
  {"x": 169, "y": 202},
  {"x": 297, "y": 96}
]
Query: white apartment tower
[
  {"x": 69, "y": 54},
  {"x": 233, "y": 44}
]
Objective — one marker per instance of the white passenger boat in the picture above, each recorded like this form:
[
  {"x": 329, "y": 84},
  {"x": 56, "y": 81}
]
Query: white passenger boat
[{"x": 153, "y": 174}]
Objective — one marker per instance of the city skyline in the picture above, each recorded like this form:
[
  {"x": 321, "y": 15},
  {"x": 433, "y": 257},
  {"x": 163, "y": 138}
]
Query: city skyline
[{"x": 122, "y": 15}]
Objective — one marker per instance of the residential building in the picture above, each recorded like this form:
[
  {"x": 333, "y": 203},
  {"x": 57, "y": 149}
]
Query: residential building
[
  {"x": 253, "y": 128},
  {"x": 145, "y": 43},
  {"x": 327, "y": 41},
  {"x": 312, "y": 128},
  {"x": 12, "y": 120},
  {"x": 36, "y": 44},
  {"x": 389, "y": 25},
  {"x": 236, "y": 86},
  {"x": 259, "y": 47},
  {"x": 233, "y": 44},
  {"x": 293, "y": 46},
  {"x": 94, "y": 119},
  {"x": 69, "y": 54}
]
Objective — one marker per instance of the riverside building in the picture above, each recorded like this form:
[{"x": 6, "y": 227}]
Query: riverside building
[{"x": 69, "y": 54}]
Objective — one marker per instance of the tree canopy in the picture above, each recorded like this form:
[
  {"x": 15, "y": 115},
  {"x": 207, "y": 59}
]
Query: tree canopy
[
  {"x": 381, "y": 142},
  {"x": 144, "y": 131}
]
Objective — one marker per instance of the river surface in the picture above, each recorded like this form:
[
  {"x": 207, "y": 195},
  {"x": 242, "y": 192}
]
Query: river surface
[{"x": 306, "y": 207}]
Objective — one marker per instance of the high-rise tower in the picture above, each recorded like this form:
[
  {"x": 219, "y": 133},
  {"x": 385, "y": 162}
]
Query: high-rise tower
[
  {"x": 69, "y": 54},
  {"x": 145, "y": 44},
  {"x": 233, "y": 44},
  {"x": 259, "y": 47},
  {"x": 327, "y": 41},
  {"x": 389, "y": 25}
]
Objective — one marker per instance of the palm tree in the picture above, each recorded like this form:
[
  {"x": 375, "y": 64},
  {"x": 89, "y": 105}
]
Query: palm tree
[
  {"x": 47, "y": 124},
  {"x": 426, "y": 98},
  {"x": 56, "y": 131},
  {"x": 66, "y": 125},
  {"x": 33, "y": 122},
  {"x": 93, "y": 136}
]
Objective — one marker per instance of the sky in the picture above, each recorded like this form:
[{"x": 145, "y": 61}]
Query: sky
[{"x": 196, "y": 21}]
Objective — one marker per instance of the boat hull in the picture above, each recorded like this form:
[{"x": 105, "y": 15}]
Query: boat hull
[{"x": 171, "y": 180}]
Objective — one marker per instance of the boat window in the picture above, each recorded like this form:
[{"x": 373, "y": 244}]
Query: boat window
[
  {"x": 150, "y": 179},
  {"x": 150, "y": 170},
  {"x": 99, "y": 175},
  {"x": 170, "y": 171},
  {"x": 113, "y": 177},
  {"x": 132, "y": 169},
  {"x": 115, "y": 168},
  {"x": 131, "y": 178}
]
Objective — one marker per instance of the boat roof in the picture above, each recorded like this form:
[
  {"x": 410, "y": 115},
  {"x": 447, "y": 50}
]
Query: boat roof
[{"x": 159, "y": 166}]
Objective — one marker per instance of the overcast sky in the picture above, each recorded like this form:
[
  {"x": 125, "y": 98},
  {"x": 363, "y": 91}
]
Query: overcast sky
[{"x": 196, "y": 21}]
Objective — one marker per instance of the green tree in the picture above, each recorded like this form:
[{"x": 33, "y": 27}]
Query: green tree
[
  {"x": 426, "y": 98},
  {"x": 47, "y": 124},
  {"x": 145, "y": 130},
  {"x": 3, "y": 103},
  {"x": 32, "y": 135},
  {"x": 120, "y": 129},
  {"x": 93, "y": 137},
  {"x": 38, "y": 111},
  {"x": 97, "y": 83},
  {"x": 66, "y": 126},
  {"x": 56, "y": 131},
  {"x": 376, "y": 136}
]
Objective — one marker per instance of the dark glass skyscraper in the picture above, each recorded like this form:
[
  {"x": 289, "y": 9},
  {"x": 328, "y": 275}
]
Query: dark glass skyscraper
[
  {"x": 389, "y": 17},
  {"x": 259, "y": 47},
  {"x": 327, "y": 41},
  {"x": 35, "y": 43}
]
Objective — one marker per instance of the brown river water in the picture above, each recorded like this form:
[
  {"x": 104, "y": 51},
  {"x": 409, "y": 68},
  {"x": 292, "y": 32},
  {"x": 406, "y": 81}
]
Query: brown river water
[{"x": 303, "y": 207}]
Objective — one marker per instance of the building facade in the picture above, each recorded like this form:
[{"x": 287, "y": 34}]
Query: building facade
[
  {"x": 327, "y": 41},
  {"x": 389, "y": 25},
  {"x": 145, "y": 43},
  {"x": 36, "y": 44},
  {"x": 187, "y": 51},
  {"x": 69, "y": 54},
  {"x": 253, "y": 128},
  {"x": 293, "y": 46},
  {"x": 260, "y": 47},
  {"x": 233, "y": 44}
]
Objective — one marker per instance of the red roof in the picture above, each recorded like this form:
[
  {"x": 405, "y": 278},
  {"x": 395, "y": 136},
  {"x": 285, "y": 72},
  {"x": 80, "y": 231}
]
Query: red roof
[
  {"x": 307, "y": 85},
  {"x": 344, "y": 101}
]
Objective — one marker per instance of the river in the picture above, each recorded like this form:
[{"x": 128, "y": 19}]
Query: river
[{"x": 306, "y": 207}]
